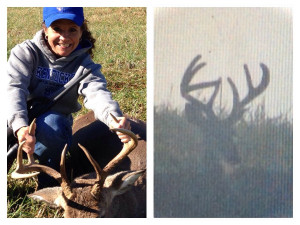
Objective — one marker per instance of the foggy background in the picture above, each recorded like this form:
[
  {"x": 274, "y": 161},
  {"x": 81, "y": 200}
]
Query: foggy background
[{"x": 227, "y": 38}]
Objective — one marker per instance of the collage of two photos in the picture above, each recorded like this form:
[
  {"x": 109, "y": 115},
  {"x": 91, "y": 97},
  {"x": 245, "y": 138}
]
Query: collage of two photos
[{"x": 78, "y": 112}]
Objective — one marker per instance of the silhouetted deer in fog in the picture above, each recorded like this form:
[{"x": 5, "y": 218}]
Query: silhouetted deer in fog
[{"x": 219, "y": 132}]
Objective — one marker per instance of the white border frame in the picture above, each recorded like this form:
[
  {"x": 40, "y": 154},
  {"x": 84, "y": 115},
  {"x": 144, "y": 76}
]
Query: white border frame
[{"x": 150, "y": 81}]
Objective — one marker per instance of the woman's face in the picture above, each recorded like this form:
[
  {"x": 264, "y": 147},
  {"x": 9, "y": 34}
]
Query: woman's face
[{"x": 63, "y": 37}]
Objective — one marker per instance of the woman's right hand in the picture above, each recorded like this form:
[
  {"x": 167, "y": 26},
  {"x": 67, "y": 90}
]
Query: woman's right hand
[{"x": 23, "y": 135}]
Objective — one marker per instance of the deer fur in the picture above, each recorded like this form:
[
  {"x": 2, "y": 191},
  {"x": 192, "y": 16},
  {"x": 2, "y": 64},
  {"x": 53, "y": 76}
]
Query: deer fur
[
  {"x": 117, "y": 199},
  {"x": 123, "y": 191},
  {"x": 85, "y": 129}
]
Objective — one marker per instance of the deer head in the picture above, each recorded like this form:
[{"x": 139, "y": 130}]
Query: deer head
[
  {"x": 219, "y": 129},
  {"x": 91, "y": 195}
]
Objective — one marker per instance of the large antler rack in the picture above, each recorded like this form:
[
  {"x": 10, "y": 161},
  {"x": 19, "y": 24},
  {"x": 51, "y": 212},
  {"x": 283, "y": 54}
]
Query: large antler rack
[
  {"x": 62, "y": 176},
  {"x": 207, "y": 108}
]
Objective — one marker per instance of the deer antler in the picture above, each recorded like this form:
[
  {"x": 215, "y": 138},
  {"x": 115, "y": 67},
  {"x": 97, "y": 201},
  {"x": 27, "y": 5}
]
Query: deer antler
[
  {"x": 19, "y": 171},
  {"x": 65, "y": 184},
  {"x": 32, "y": 168},
  {"x": 127, "y": 148},
  {"x": 238, "y": 105},
  {"x": 102, "y": 174},
  {"x": 185, "y": 88},
  {"x": 206, "y": 110},
  {"x": 22, "y": 170},
  {"x": 62, "y": 177}
]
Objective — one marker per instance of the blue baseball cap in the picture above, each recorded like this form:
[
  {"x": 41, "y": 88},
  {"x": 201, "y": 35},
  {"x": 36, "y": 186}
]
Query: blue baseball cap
[{"x": 51, "y": 14}]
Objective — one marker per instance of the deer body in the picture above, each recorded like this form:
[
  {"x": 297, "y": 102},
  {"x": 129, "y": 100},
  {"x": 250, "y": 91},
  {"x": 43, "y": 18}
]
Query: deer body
[
  {"x": 219, "y": 132},
  {"x": 85, "y": 131},
  {"x": 116, "y": 199},
  {"x": 108, "y": 192}
]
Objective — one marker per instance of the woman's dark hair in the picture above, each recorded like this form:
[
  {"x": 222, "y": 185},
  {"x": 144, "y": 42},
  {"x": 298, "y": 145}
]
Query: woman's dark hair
[{"x": 87, "y": 35}]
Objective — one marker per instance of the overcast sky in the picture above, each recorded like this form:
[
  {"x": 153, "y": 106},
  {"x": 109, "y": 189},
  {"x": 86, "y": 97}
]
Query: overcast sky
[{"x": 227, "y": 38}]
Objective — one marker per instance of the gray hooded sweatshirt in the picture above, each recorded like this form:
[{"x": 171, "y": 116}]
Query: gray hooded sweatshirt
[{"x": 35, "y": 72}]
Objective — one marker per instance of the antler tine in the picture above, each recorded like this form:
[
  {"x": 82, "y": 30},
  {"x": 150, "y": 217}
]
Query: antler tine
[
  {"x": 207, "y": 108},
  {"x": 254, "y": 92},
  {"x": 31, "y": 131},
  {"x": 94, "y": 163},
  {"x": 185, "y": 88},
  {"x": 65, "y": 184},
  {"x": 189, "y": 74},
  {"x": 21, "y": 170},
  {"x": 238, "y": 105},
  {"x": 102, "y": 174},
  {"x": 127, "y": 148}
]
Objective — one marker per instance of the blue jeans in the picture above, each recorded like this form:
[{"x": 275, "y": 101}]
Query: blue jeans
[{"x": 53, "y": 131}]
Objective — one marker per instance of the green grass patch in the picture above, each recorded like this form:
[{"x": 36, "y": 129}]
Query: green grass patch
[{"x": 120, "y": 35}]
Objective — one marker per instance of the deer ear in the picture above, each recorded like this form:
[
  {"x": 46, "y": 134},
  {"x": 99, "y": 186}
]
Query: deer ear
[
  {"x": 52, "y": 196},
  {"x": 122, "y": 185}
]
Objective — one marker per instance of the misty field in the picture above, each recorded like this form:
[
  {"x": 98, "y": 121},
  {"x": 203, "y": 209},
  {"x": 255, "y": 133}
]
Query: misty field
[{"x": 189, "y": 181}]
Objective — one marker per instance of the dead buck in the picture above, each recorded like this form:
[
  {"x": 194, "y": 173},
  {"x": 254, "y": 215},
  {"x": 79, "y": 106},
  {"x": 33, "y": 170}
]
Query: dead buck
[
  {"x": 219, "y": 132},
  {"x": 103, "y": 146},
  {"x": 98, "y": 194}
]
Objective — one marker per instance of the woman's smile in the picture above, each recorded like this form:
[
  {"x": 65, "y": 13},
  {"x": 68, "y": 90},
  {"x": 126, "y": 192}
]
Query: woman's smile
[{"x": 64, "y": 45}]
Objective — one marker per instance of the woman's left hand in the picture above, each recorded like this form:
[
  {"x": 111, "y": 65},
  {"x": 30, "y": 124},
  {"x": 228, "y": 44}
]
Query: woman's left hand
[{"x": 122, "y": 123}]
